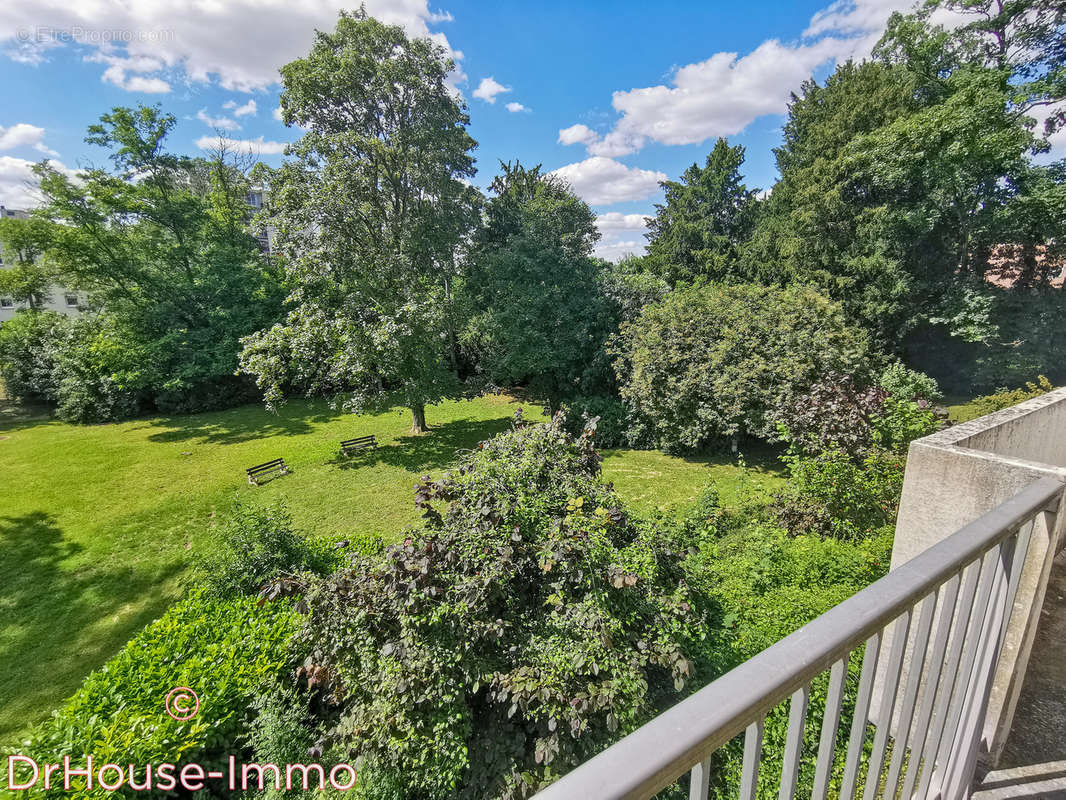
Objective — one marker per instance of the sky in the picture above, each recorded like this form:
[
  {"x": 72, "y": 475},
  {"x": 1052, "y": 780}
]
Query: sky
[{"x": 612, "y": 96}]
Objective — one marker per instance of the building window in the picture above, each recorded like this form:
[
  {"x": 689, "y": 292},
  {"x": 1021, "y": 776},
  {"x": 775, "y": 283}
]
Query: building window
[
  {"x": 6, "y": 302},
  {"x": 72, "y": 300}
]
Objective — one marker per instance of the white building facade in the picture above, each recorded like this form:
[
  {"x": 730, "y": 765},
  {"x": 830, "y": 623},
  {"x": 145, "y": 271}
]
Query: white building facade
[{"x": 60, "y": 298}]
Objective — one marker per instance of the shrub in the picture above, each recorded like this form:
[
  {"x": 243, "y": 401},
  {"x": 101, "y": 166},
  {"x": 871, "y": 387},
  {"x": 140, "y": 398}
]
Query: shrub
[
  {"x": 714, "y": 361},
  {"x": 907, "y": 384},
  {"x": 834, "y": 495},
  {"x": 835, "y": 414},
  {"x": 257, "y": 545},
  {"x": 28, "y": 346},
  {"x": 525, "y": 625},
  {"x": 767, "y": 585},
  {"x": 223, "y": 650},
  {"x": 96, "y": 373},
  {"x": 617, "y": 425},
  {"x": 1005, "y": 398}
]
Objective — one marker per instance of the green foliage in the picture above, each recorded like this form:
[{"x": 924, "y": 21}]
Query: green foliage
[
  {"x": 28, "y": 275},
  {"x": 96, "y": 366},
  {"x": 616, "y": 425},
  {"x": 538, "y": 316},
  {"x": 768, "y": 584},
  {"x": 832, "y": 494},
  {"x": 528, "y": 623},
  {"x": 846, "y": 453},
  {"x": 820, "y": 225},
  {"x": 28, "y": 348},
  {"x": 256, "y": 545},
  {"x": 907, "y": 384},
  {"x": 161, "y": 244},
  {"x": 369, "y": 212},
  {"x": 223, "y": 650},
  {"x": 1005, "y": 398},
  {"x": 706, "y": 217},
  {"x": 716, "y": 361}
]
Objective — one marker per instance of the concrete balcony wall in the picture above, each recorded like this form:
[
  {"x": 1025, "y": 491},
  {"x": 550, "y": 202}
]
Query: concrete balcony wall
[{"x": 956, "y": 475}]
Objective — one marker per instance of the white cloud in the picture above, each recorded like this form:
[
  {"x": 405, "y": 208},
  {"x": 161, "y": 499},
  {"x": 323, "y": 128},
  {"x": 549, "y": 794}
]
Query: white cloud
[
  {"x": 855, "y": 16},
  {"x": 193, "y": 40},
  {"x": 241, "y": 111},
  {"x": 577, "y": 134},
  {"x": 720, "y": 96},
  {"x": 119, "y": 67},
  {"x": 614, "y": 222},
  {"x": 602, "y": 181},
  {"x": 616, "y": 143},
  {"x": 488, "y": 89},
  {"x": 24, "y": 135},
  {"x": 724, "y": 94},
  {"x": 18, "y": 184},
  {"x": 1057, "y": 140},
  {"x": 221, "y": 123},
  {"x": 277, "y": 114},
  {"x": 514, "y": 108},
  {"x": 616, "y": 251},
  {"x": 256, "y": 146}
]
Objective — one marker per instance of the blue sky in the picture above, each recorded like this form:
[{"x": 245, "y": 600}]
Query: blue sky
[{"x": 614, "y": 95}]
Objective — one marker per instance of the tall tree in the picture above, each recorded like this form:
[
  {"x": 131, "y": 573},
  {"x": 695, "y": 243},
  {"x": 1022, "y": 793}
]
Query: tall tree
[
  {"x": 28, "y": 274},
  {"x": 160, "y": 242},
  {"x": 705, "y": 219},
  {"x": 538, "y": 315},
  {"x": 369, "y": 213}
]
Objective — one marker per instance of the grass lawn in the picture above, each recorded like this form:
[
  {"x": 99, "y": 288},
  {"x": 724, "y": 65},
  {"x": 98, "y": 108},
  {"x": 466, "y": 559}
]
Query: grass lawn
[{"x": 98, "y": 524}]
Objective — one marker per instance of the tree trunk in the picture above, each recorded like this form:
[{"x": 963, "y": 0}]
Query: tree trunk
[{"x": 418, "y": 419}]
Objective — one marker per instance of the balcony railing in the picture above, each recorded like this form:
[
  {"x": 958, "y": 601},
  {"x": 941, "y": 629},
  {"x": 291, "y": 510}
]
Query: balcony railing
[{"x": 930, "y": 632}]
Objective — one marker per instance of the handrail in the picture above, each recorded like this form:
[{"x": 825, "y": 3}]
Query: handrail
[{"x": 657, "y": 754}]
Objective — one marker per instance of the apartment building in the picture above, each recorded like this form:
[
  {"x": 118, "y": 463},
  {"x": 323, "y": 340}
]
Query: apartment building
[{"x": 60, "y": 298}]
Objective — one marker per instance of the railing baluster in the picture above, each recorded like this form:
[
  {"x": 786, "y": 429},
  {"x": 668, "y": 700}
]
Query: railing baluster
[
  {"x": 1018, "y": 558},
  {"x": 910, "y": 695},
  {"x": 700, "y": 781},
  {"x": 830, "y": 724},
  {"x": 950, "y": 594},
  {"x": 862, "y": 710},
  {"x": 797, "y": 717},
  {"x": 900, "y": 632},
  {"x": 974, "y": 636},
  {"x": 971, "y": 576},
  {"x": 999, "y": 613},
  {"x": 749, "y": 778}
]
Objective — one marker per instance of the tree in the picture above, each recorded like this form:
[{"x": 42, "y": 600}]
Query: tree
[
  {"x": 706, "y": 217},
  {"x": 820, "y": 225},
  {"x": 716, "y": 361},
  {"x": 369, "y": 215},
  {"x": 524, "y": 626},
  {"x": 161, "y": 244},
  {"x": 538, "y": 313},
  {"x": 28, "y": 275}
]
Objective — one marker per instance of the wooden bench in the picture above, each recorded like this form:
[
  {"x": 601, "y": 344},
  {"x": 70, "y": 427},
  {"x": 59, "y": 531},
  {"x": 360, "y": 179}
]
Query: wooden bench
[
  {"x": 349, "y": 446},
  {"x": 277, "y": 465}
]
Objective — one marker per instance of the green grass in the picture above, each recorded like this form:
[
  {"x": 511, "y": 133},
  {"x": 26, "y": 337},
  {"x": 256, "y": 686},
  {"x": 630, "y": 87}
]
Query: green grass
[
  {"x": 961, "y": 408},
  {"x": 98, "y": 524}
]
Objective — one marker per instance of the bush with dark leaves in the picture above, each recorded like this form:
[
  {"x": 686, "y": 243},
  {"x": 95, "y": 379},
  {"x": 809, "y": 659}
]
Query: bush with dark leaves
[{"x": 525, "y": 625}]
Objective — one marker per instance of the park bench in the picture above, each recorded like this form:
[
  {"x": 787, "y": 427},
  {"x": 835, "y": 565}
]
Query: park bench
[
  {"x": 349, "y": 446},
  {"x": 277, "y": 465}
]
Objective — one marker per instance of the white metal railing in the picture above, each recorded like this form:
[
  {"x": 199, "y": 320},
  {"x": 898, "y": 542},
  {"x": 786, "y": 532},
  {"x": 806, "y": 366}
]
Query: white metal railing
[{"x": 916, "y": 728}]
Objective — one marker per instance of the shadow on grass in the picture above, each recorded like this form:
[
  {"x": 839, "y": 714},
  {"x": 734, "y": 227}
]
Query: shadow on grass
[
  {"x": 16, "y": 416},
  {"x": 244, "y": 424},
  {"x": 437, "y": 449},
  {"x": 59, "y": 623}
]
